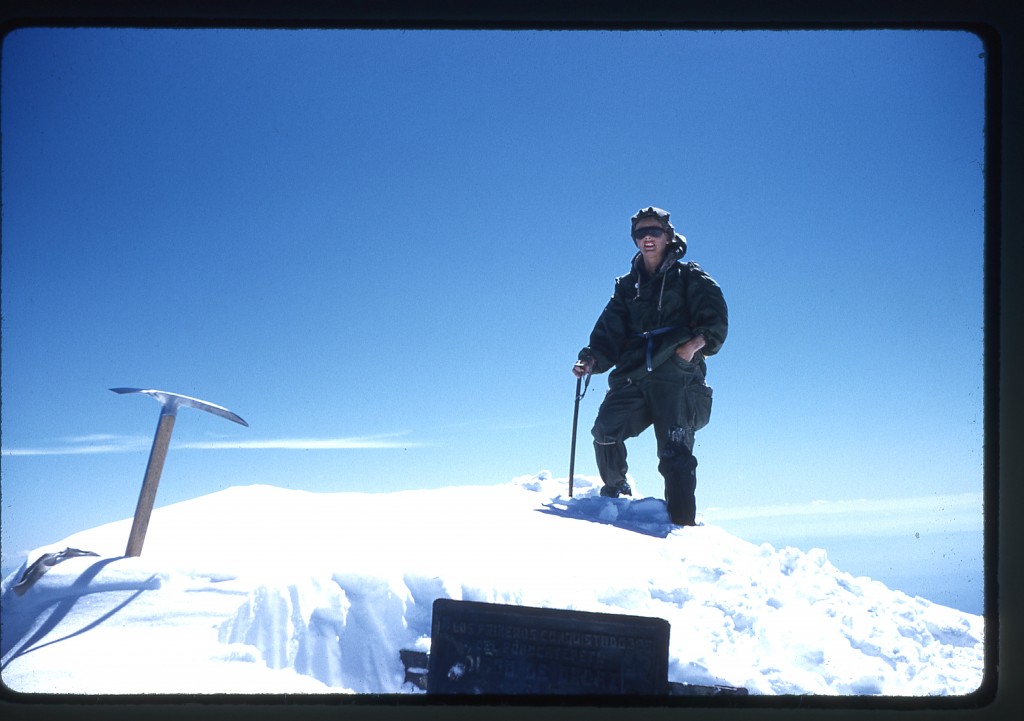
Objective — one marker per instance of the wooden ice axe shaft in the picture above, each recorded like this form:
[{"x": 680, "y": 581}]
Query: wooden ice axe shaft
[{"x": 169, "y": 402}]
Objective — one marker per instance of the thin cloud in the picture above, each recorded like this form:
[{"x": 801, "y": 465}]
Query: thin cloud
[
  {"x": 882, "y": 506},
  {"x": 304, "y": 444},
  {"x": 876, "y": 517},
  {"x": 104, "y": 438},
  {"x": 102, "y": 443},
  {"x": 82, "y": 445}
]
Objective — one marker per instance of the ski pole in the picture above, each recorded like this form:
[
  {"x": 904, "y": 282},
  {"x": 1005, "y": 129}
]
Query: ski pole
[{"x": 575, "y": 420}]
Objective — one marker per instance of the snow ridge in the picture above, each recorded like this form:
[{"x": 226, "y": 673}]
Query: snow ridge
[{"x": 322, "y": 591}]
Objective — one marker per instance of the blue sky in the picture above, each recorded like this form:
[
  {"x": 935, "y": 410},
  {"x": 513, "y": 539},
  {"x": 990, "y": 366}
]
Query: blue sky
[{"x": 383, "y": 249}]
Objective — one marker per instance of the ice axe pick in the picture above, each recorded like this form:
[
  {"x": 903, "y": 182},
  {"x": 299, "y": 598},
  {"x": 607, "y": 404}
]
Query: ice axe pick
[{"x": 169, "y": 402}]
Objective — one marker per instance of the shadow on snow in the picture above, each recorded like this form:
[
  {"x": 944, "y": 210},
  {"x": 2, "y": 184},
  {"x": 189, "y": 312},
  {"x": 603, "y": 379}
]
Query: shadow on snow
[
  {"x": 648, "y": 516},
  {"x": 21, "y": 614}
]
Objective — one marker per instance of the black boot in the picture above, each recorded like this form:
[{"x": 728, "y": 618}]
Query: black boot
[
  {"x": 614, "y": 491},
  {"x": 679, "y": 467}
]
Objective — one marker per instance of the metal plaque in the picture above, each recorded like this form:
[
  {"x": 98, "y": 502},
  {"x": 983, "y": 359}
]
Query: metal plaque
[{"x": 485, "y": 648}]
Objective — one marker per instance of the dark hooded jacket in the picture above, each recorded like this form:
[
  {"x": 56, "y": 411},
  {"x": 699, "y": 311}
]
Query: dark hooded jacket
[{"x": 649, "y": 316}]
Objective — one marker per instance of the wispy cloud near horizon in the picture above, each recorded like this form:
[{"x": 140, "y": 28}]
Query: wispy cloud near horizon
[
  {"x": 305, "y": 444},
  {"x": 879, "y": 516},
  {"x": 104, "y": 443},
  {"x": 82, "y": 445}
]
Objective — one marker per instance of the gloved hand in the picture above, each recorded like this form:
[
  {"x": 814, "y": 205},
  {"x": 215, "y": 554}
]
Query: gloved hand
[{"x": 583, "y": 368}]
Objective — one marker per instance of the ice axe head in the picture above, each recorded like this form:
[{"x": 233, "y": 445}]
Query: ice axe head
[{"x": 172, "y": 401}]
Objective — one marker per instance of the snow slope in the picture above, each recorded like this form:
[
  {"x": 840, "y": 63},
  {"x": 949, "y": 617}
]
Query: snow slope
[{"x": 259, "y": 589}]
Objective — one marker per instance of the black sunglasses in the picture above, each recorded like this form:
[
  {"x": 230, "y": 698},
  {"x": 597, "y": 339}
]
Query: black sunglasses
[{"x": 654, "y": 231}]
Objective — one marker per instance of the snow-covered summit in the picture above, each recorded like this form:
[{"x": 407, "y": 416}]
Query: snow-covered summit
[{"x": 263, "y": 589}]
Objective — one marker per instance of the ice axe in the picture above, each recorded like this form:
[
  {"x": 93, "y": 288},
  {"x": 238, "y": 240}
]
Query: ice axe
[
  {"x": 169, "y": 402},
  {"x": 575, "y": 420}
]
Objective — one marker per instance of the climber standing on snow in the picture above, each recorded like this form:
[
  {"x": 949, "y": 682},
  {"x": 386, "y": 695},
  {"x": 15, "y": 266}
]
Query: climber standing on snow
[{"x": 663, "y": 319}]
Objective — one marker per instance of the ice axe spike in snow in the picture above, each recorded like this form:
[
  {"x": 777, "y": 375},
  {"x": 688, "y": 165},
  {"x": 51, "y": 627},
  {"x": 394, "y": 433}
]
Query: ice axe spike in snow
[{"x": 169, "y": 402}]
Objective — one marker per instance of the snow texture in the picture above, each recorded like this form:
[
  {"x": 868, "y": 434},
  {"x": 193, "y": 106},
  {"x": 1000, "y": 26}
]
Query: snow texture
[{"x": 259, "y": 589}]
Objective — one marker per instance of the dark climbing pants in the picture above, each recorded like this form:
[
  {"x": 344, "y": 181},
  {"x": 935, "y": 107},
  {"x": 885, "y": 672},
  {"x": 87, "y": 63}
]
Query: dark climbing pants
[{"x": 677, "y": 402}]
